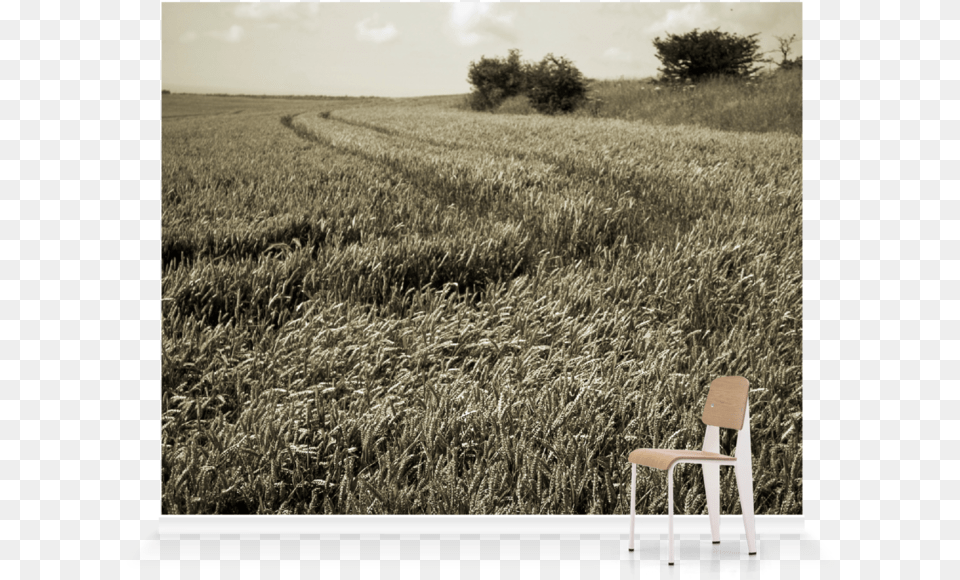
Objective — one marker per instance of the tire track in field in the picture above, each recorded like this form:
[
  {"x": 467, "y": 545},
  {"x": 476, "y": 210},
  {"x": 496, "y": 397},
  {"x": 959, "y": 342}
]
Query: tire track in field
[
  {"x": 562, "y": 216},
  {"x": 591, "y": 176},
  {"x": 288, "y": 121},
  {"x": 647, "y": 160},
  {"x": 542, "y": 195},
  {"x": 464, "y": 176}
]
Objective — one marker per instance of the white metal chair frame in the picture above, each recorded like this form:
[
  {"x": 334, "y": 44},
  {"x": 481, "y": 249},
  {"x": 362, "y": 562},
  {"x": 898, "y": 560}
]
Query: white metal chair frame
[{"x": 743, "y": 468}]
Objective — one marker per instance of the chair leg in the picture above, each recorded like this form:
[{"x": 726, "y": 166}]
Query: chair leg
[
  {"x": 670, "y": 509},
  {"x": 711, "y": 482},
  {"x": 743, "y": 470},
  {"x": 633, "y": 500}
]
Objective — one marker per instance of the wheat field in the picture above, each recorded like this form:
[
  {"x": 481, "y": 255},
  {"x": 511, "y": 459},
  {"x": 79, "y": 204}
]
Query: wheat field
[{"x": 396, "y": 306}]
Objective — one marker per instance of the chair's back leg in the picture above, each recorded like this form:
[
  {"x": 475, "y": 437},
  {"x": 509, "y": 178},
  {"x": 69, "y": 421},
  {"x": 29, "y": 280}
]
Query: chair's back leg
[
  {"x": 670, "y": 509},
  {"x": 744, "y": 473},
  {"x": 745, "y": 485},
  {"x": 711, "y": 481},
  {"x": 633, "y": 500}
]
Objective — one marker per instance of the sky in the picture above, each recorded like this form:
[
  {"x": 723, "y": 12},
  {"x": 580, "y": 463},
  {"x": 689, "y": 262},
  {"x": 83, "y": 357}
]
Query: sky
[{"x": 418, "y": 49}]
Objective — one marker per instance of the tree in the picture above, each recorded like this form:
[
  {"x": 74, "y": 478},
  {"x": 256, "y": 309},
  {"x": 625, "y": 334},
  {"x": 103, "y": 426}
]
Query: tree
[
  {"x": 697, "y": 55},
  {"x": 554, "y": 85},
  {"x": 495, "y": 79},
  {"x": 786, "y": 63}
]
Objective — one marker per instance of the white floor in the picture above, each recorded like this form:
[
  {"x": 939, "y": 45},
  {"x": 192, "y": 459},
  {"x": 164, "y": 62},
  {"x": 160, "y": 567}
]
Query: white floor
[{"x": 483, "y": 557}]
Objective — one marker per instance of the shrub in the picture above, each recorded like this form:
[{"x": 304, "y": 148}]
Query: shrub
[
  {"x": 494, "y": 80},
  {"x": 164, "y": 92},
  {"x": 792, "y": 64},
  {"x": 695, "y": 55},
  {"x": 555, "y": 85}
]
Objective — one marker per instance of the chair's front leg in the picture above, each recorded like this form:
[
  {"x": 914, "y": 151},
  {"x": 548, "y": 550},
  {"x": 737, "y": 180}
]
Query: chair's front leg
[
  {"x": 670, "y": 509},
  {"x": 711, "y": 482},
  {"x": 744, "y": 472},
  {"x": 633, "y": 500}
]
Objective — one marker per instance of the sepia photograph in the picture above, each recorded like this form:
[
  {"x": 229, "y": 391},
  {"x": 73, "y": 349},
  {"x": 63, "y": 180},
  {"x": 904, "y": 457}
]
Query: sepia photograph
[{"x": 482, "y": 259}]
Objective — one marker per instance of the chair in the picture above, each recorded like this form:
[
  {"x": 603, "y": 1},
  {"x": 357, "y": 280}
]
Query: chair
[{"x": 726, "y": 407}]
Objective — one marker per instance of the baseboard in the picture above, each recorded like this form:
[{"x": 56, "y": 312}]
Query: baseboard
[{"x": 459, "y": 525}]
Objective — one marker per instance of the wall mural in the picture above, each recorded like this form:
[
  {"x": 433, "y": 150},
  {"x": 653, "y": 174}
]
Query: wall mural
[{"x": 479, "y": 302}]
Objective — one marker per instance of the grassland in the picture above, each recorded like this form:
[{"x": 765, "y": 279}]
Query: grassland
[
  {"x": 398, "y": 307},
  {"x": 772, "y": 102}
]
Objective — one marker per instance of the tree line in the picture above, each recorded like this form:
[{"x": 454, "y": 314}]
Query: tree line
[{"x": 554, "y": 85}]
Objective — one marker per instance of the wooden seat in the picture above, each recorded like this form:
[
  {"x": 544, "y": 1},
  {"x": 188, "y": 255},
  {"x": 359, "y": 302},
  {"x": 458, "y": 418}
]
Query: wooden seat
[
  {"x": 727, "y": 406},
  {"x": 665, "y": 458}
]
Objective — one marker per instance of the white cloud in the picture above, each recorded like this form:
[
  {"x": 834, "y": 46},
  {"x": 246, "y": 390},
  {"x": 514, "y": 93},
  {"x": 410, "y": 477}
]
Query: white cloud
[
  {"x": 303, "y": 15},
  {"x": 369, "y": 30},
  {"x": 472, "y": 23},
  {"x": 683, "y": 20},
  {"x": 615, "y": 54},
  {"x": 188, "y": 36},
  {"x": 232, "y": 34},
  {"x": 264, "y": 10}
]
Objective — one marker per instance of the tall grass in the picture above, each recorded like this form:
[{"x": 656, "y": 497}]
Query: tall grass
[
  {"x": 397, "y": 307},
  {"x": 772, "y": 102}
]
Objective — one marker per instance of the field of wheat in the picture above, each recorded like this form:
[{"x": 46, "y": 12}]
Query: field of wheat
[{"x": 376, "y": 306}]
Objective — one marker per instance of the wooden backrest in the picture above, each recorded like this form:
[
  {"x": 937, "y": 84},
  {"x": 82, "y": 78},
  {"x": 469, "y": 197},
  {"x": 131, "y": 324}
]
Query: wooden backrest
[{"x": 726, "y": 402}]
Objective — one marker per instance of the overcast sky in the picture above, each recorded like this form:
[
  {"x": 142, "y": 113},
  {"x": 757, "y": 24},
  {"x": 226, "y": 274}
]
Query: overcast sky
[{"x": 413, "y": 49}]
